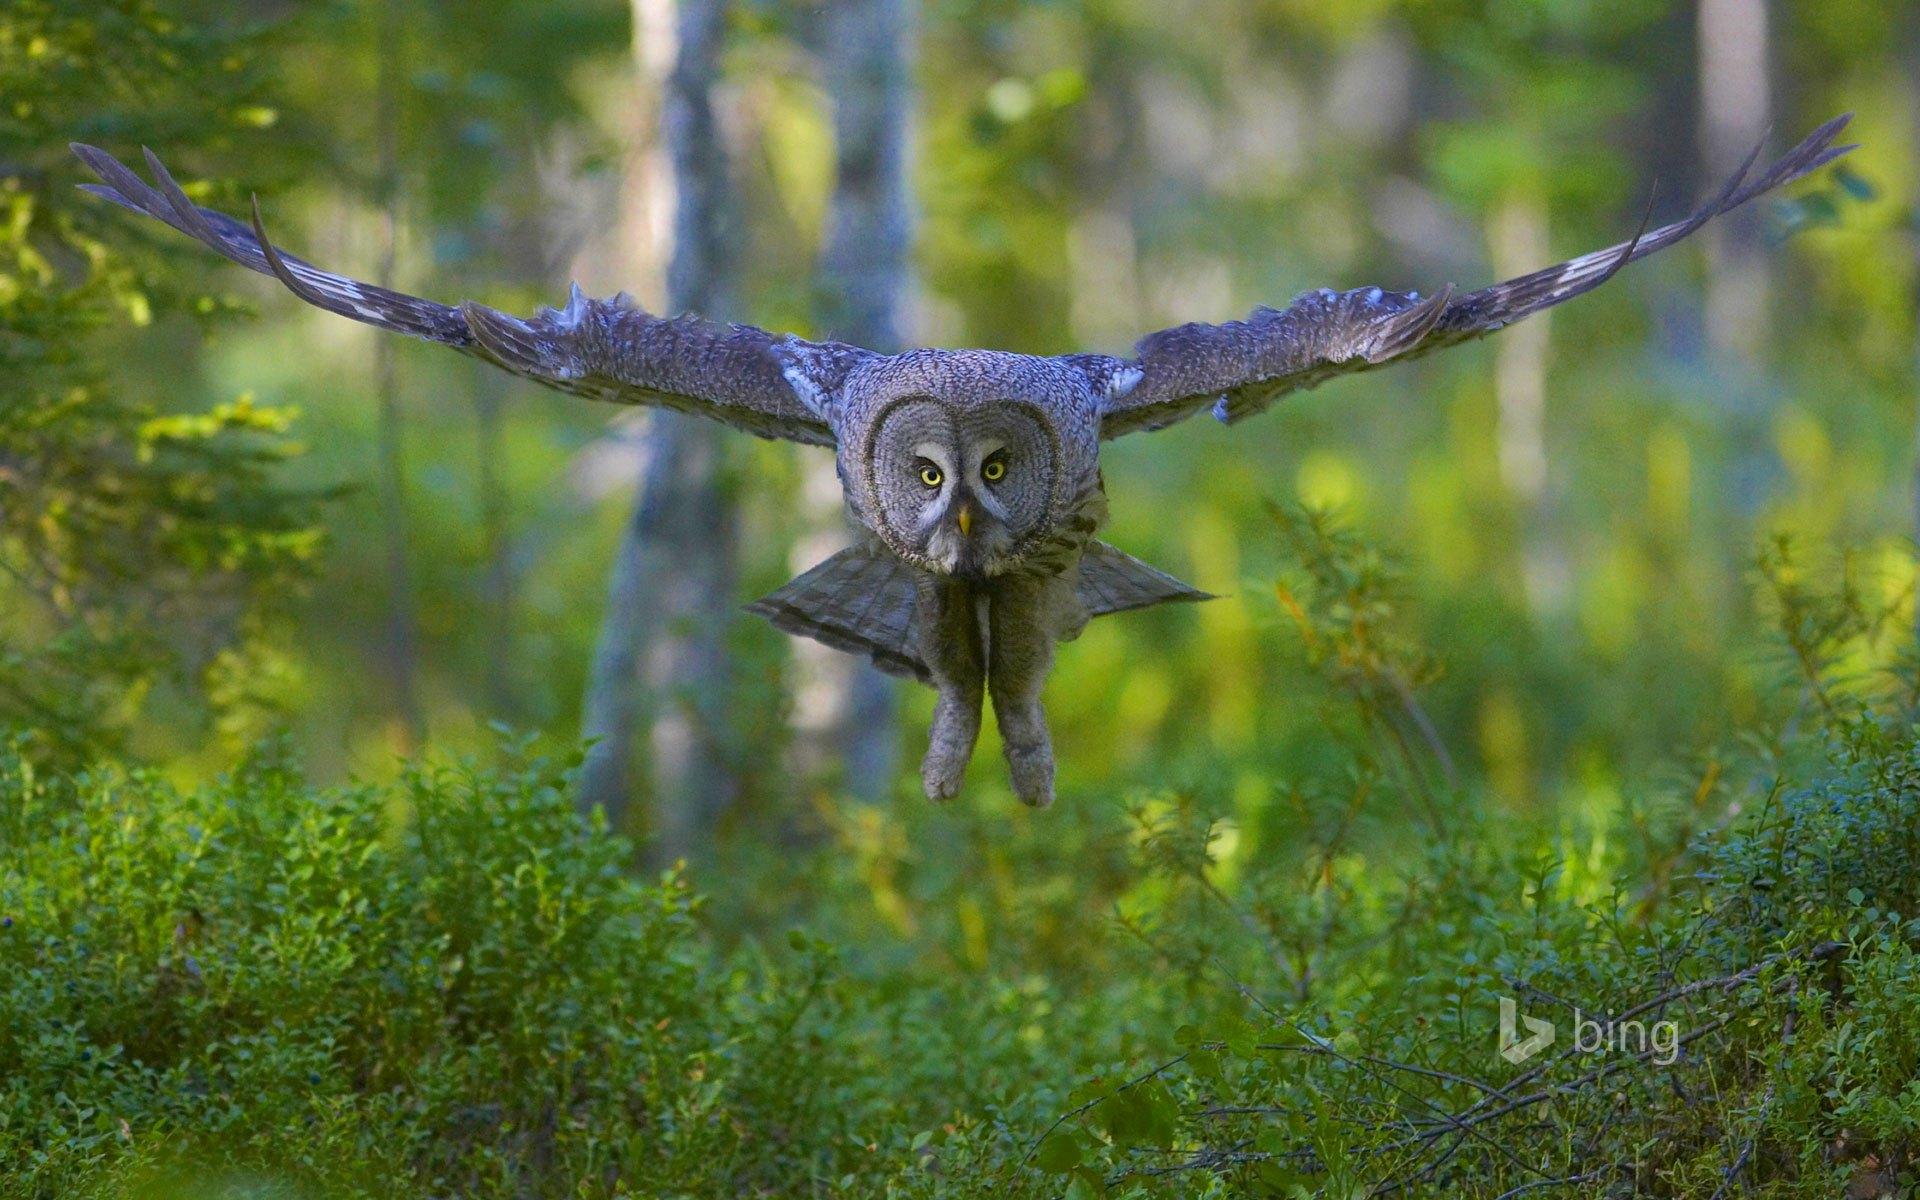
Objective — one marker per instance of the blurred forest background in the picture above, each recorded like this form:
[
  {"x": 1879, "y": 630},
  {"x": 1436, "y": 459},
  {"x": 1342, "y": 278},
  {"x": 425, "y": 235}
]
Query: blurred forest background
[
  {"x": 1578, "y": 504},
  {"x": 1557, "y": 590}
]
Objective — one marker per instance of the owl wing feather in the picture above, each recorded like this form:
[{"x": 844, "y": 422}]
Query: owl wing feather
[
  {"x": 1239, "y": 368},
  {"x": 607, "y": 349}
]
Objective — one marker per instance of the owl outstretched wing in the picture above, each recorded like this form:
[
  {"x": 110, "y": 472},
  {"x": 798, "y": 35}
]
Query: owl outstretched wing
[
  {"x": 1239, "y": 368},
  {"x": 607, "y": 349}
]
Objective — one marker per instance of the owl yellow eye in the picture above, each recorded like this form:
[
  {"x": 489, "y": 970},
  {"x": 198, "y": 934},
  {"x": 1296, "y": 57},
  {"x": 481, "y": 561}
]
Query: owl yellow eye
[
  {"x": 994, "y": 471},
  {"x": 931, "y": 476}
]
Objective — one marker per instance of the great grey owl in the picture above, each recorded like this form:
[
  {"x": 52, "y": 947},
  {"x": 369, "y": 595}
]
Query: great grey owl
[{"x": 972, "y": 476}]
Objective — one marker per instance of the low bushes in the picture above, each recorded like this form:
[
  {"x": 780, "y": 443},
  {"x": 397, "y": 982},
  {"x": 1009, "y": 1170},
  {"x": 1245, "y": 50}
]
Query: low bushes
[{"x": 446, "y": 988}]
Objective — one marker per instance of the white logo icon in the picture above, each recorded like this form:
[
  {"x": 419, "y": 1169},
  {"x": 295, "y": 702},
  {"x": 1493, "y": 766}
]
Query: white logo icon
[{"x": 1511, "y": 1047}]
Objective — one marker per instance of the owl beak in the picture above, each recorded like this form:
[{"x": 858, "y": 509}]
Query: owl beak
[{"x": 964, "y": 519}]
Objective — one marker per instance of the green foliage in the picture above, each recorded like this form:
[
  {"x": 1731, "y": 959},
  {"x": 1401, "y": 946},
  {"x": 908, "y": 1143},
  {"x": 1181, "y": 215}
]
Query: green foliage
[
  {"x": 141, "y": 546},
  {"x": 445, "y": 986}
]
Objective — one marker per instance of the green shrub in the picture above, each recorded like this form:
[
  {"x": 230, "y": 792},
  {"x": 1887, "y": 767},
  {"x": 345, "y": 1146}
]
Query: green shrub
[
  {"x": 1361, "y": 1057},
  {"x": 453, "y": 987},
  {"x": 446, "y": 988}
]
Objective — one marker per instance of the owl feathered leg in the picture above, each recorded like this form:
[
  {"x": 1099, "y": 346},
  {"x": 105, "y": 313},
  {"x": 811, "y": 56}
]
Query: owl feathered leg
[
  {"x": 947, "y": 628},
  {"x": 1024, "y": 619}
]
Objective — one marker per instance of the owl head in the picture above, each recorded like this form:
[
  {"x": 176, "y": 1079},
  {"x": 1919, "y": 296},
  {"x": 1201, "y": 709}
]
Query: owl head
[{"x": 962, "y": 461}]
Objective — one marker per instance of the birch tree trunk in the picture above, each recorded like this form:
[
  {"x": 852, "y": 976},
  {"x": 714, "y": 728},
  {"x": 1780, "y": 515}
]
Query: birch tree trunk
[
  {"x": 1736, "y": 107},
  {"x": 1913, "y": 94},
  {"x": 496, "y": 545},
  {"x": 846, "y": 707},
  {"x": 401, "y": 648},
  {"x": 1517, "y": 235},
  {"x": 662, "y": 646}
]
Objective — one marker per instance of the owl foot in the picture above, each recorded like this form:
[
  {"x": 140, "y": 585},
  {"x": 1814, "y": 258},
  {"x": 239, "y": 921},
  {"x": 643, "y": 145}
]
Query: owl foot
[
  {"x": 956, "y": 727},
  {"x": 1032, "y": 771},
  {"x": 940, "y": 775}
]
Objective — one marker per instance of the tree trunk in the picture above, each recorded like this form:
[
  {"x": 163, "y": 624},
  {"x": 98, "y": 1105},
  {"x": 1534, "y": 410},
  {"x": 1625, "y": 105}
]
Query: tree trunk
[
  {"x": 496, "y": 545},
  {"x": 1104, "y": 241},
  {"x": 1517, "y": 235},
  {"x": 1913, "y": 93},
  {"x": 1735, "y": 111},
  {"x": 671, "y": 597},
  {"x": 402, "y": 648},
  {"x": 847, "y": 707}
]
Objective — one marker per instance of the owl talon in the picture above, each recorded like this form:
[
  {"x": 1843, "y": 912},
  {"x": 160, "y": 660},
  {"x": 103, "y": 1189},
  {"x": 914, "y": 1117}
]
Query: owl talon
[
  {"x": 956, "y": 727},
  {"x": 1032, "y": 771},
  {"x": 941, "y": 780}
]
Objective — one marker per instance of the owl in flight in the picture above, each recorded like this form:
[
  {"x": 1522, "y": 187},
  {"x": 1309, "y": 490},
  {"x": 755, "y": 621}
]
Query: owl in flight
[{"x": 972, "y": 476}]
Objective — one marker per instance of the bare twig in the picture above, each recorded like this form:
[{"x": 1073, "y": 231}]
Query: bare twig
[
  {"x": 1063, "y": 1118},
  {"x": 1566, "y": 1181}
]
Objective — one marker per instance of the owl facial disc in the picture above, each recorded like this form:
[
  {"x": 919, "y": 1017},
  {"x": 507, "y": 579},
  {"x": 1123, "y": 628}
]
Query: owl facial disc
[{"x": 958, "y": 489}]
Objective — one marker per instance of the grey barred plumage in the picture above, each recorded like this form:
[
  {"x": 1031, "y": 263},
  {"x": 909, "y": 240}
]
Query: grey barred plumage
[{"x": 974, "y": 475}]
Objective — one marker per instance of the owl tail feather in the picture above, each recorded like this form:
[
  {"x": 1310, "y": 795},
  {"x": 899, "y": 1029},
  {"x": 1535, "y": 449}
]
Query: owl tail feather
[
  {"x": 1114, "y": 581},
  {"x": 862, "y": 601}
]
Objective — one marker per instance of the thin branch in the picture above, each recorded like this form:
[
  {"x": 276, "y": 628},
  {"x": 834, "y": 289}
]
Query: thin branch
[
  {"x": 1063, "y": 1118},
  {"x": 1566, "y": 1181}
]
